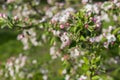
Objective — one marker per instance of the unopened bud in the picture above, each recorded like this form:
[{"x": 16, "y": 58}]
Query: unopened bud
[
  {"x": 16, "y": 18},
  {"x": 67, "y": 24},
  {"x": 21, "y": 36},
  {"x": 62, "y": 26},
  {"x": 86, "y": 26}
]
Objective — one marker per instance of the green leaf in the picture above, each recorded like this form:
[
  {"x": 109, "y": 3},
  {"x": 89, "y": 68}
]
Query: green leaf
[
  {"x": 94, "y": 66},
  {"x": 116, "y": 30},
  {"x": 118, "y": 36},
  {"x": 2, "y": 21},
  {"x": 52, "y": 40},
  {"x": 71, "y": 29},
  {"x": 107, "y": 4},
  {"x": 85, "y": 67},
  {"x": 96, "y": 77},
  {"x": 98, "y": 59},
  {"x": 90, "y": 28},
  {"x": 76, "y": 29},
  {"x": 66, "y": 64},
  {"x": 86, "y": 60},
  {"x": 82, "y": 38},
  {"x": 3, "y": 26}
]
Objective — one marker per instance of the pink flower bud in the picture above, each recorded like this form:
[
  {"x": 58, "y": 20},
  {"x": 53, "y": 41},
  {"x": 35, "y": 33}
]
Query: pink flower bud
[
  {"x": 0, "y": 14},
  {"x": 16, "y": 18},
  {"x": 3, "y": 15},
  {"x": 62, "y": 26},
  {"x": 65, "y": 33},
  {"x": 66, "y": 57},
  {"x": 68, "y": 13},
  {"x": 86, "y": 26},
  {"x": 67, "y": 24},
  {"x": 94, "y": 20},
  {"x": 21, "y": 36},
  {"x": 104, "y": 34}
]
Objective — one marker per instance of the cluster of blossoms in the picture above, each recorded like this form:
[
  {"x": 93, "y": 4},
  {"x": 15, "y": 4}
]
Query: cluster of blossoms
[
  {"x": 110, "y": 37},
  {"x": 65, "y": 40},
  {"x": 106, "y": 33},
  {"x": 101, "y": 10},
  {"x": 62, "y": 16},
  {"x": 81, "y": 36},
  {"x": 13, "y": 67},
  {"x": 73, "y": 56},
  {"x": 82, "y": 77},
  {"x": 103, "y": 35},
  {"x": 2, "y": 16},
  {"x": 54, "y": 52},
  {"x": 26, "y": 36}
]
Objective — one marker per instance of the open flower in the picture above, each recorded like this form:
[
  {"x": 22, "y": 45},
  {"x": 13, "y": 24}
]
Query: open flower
[
  {"x": 65, "y": 40},
  {"x": 111, "y": 38}
]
